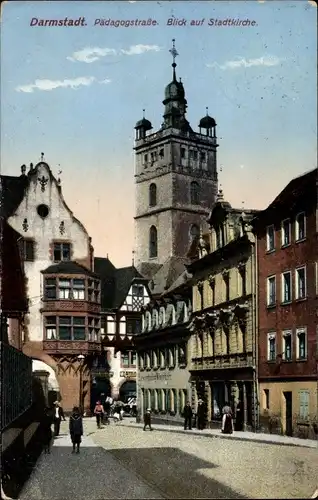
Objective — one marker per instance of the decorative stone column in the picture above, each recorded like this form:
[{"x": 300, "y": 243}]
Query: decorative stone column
[{"x": 208, "y": 399}]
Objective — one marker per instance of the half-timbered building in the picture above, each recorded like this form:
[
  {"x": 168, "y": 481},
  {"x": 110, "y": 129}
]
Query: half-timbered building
[{"x": 123, "y": 294}]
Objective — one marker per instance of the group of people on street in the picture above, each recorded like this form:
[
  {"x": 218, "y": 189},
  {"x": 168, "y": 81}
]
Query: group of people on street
[
  {"x": 227, "y": 417},
  {"x": 54, "y": 416},
  {"x": 103, "y": 412}
]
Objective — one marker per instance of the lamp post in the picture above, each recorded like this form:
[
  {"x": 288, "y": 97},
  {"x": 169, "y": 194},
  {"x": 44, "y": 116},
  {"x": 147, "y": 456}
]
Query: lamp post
[{"x": 81, "y": 358}]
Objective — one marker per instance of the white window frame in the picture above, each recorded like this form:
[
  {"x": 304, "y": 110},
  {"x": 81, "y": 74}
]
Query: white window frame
[
  {"x": 304, "y": 415},
  {"x": 268, "y": 280},
  {"x": 297, "y": 238},
  {"x": 283, "y": 233},
  {"x": 297, "y": 297},
  {"x": 287, "y": 334},
  {"x": 299, "y": 331},
  {"x": 268, "y": 247},
  {"x": 271, "y": 336},
  {"x": 283, "y": 287}
]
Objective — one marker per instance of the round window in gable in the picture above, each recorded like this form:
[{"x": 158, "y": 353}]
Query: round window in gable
[{"x": 43, "y": 211}]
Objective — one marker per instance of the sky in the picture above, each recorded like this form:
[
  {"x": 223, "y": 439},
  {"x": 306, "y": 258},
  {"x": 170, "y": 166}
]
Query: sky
[{"x": 76, "y": 93}]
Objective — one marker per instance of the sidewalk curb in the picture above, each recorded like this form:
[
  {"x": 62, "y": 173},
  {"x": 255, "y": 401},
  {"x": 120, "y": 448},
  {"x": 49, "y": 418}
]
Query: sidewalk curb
[{"x": 230, "y": 437}]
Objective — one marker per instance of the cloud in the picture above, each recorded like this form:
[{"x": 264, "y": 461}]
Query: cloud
[
  {"x": 247, "y": 63},
  {"x": 47, "y": 85},
  {"x": 92, "y": 54}
]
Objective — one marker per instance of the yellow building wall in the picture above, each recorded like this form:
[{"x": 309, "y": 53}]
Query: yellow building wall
[{"x": 277, "y": 405}]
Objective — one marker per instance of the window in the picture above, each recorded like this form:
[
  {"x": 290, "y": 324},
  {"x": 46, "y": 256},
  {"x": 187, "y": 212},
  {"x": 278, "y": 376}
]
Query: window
[
  {"x": 304, "y": 405},
  {"x": 202, "y": 156},
  {"x": 271, "y": 347},
  {"x": 194, "y": 231},
  {"x": 93, "y": 329},
  {"x": 65, "y": 289},
  {"x": 242, "y": 276},
  {"x": 146, "y": 158},
  {"x": 78, "y": 289},
  {"x": 153, "y": 242},
  {"x": 161, "y": 153},
  {"x": 50, "y": 288},
  {"x": 286, "y": 234},
  {"x": 195, "y": 155},
  {"x": 226, "y": 278},
  {"x": 194, "y": 193},
  {"x": 65, "y": 328},
  {"x": 271, "y": 291},
  {"x": 287, "y": 345},
  {"x": 270, "y": 238},
  {"x": 300, "y": 226},
  {"x": 138, "y": 290},
  {"x": 61, "y": 251},
  {"x": 183, "y": 152},
  {"x": 50, "y": 326},
  {"x": 27, "y": 250},
  {"x": 300, "y": 283},
  {"x": 301, "y": 343},
  {"x": 191, "y": 154},
  {"x": 266, "y": 399},
  {"x": 133, "y": 358},
  {"x": 93, "y": 291},
  {"x": 152, "y": 195},
  {"x": 286, "y": 287},
  {"x": 125, "y": 359}
]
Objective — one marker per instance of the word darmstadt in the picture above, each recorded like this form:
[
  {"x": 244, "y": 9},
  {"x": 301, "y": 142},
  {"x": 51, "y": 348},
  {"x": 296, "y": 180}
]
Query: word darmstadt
[{"x": 67, "y": 22}]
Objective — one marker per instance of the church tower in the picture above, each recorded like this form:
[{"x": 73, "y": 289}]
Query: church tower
[{"x": 175, "y": 178}]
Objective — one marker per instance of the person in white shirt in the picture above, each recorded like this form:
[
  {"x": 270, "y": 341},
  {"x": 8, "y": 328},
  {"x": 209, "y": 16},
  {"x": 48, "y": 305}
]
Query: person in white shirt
[{"x": 58, "y": 416}]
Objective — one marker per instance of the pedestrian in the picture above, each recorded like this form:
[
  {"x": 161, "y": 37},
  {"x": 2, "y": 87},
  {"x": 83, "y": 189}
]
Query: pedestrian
[
  {"x": 58, "y": 416},
  {"x": 47, "y": 430},
  {"x": 76, "y": 429},
  {"x": 99, "y": 412},
  {"x": 187, "y": 415},
  {"x": 147, "y": 419},
  {"x": 239, "y": 416},
  {"x": 227, "y": 420},
  {"x": 200, "y": 415}
]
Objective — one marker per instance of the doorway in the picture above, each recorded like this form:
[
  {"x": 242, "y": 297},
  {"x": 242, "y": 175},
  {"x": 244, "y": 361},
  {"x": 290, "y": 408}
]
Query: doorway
[
  {"x": 100, "y": 389},
  {"x": 289, "y": 413}
]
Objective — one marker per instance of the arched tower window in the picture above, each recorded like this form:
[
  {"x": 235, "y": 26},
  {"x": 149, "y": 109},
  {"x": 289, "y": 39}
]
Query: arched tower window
[
  {"x": 194, "y": 193},
  {"x": 153, "y": 242},
  {"x": 152, "y": 195},
  {"x": 194, "y": 231}
]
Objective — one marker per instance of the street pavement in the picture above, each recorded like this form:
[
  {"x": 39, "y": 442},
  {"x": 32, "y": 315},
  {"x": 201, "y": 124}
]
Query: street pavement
[{"x": 123, "y": 461}]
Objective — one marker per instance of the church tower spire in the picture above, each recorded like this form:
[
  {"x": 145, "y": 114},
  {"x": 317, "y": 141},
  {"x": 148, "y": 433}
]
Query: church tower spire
[{"x": 175, "y": 102}]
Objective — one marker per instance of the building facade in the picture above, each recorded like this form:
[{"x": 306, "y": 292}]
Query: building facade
[
  {"x": 288, "y": 287},
  {"x": 175, "y": 180},
  {"x": 163, "y": 358},
  {"x": 123, "y": 293},
  {"x": 50, "y": 235},
  {"x": 224, "y": 330}
]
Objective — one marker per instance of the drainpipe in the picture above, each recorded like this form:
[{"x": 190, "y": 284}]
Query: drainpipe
[{"x": 255, "y": 339}]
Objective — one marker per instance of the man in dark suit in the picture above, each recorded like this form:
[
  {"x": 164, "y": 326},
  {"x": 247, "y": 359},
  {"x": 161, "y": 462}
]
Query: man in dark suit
[
  {"x": 58, "y": 416},
  {"x": 187, "y": 415}
]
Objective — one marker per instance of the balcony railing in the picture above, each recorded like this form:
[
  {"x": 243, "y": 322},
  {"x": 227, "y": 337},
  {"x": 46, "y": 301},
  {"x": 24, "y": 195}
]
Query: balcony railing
[
  {"x": 16, "y": 384},
  {"x": 70, "y": 346},
  {"x": 222, "y": 362},
  {"x": 70, "y": 305}
]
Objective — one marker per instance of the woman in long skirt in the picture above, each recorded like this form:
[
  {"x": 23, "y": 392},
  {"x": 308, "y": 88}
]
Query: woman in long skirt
[{"x": 227, "y": 420}]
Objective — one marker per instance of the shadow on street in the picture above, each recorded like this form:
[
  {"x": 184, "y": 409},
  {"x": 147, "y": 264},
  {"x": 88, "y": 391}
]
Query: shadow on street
[{"x": 174, "y": 473}]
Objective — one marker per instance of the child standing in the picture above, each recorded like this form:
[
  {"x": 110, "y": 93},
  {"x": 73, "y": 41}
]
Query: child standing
[
  {"x": 147, "y": 419},
  {"x": 76, "y": 429}
]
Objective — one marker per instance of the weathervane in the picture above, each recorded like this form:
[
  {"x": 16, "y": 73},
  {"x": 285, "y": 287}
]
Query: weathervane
[{"x": 174, "y": 54}]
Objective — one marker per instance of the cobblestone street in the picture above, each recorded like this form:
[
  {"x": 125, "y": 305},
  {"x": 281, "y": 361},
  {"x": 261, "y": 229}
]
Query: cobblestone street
[{"x": 122, "y": 461}]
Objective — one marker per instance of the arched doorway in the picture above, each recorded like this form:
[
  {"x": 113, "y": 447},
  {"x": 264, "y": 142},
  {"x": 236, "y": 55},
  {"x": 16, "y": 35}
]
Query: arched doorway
[
  {"x": 100, "y": 390},
  {"x": 50, "y": 385},
  {"x": 128, "y": 390}
]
